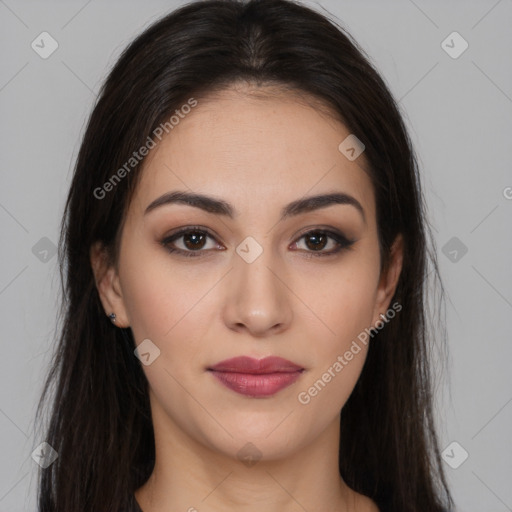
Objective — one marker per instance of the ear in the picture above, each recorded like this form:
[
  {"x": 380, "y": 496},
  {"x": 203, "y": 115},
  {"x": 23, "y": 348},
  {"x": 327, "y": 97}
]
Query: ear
[
  {"x": 107, "y": 283},
  {"x": 389, "y": 279}
]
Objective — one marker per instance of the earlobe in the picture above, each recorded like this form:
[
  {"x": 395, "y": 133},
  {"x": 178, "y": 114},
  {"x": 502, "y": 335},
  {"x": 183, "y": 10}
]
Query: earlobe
[
  {"x": 108, "y": 285},
  {"x": 389, "y": 278}
]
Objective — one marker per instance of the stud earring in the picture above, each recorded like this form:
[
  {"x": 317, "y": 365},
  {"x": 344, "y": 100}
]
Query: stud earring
[{"x": 112, "y": 317}]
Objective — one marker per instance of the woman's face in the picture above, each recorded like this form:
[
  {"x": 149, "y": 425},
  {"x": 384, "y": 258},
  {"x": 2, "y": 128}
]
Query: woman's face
[{"x": 248, "y": 280}]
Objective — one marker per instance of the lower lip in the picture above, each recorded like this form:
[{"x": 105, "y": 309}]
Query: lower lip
[{"x": 256, "y": 385}]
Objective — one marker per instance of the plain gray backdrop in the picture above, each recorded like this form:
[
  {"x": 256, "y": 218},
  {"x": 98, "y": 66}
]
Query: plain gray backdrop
[{"x": 457, "y": 104}]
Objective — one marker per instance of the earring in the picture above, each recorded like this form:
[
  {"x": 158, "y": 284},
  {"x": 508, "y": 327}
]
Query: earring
[{"x": 112, "y": 317}]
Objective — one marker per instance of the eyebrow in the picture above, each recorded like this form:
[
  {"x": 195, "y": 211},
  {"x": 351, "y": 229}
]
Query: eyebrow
[{"x": 220, "y": 207}]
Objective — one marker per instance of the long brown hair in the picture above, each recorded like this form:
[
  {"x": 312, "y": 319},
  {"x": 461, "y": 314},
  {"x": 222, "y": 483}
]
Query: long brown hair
[{"x": 100, "y": 422}]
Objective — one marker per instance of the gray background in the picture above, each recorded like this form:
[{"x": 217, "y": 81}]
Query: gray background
[{"x": 458, "y": 111}]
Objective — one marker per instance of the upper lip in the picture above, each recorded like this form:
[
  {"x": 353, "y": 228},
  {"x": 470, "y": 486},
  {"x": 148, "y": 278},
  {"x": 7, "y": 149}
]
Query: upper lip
[{"x": 244, "y": 364}]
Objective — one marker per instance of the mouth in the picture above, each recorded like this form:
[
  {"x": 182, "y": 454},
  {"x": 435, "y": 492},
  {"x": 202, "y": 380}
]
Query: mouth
[{"x": 256, "y": 377}]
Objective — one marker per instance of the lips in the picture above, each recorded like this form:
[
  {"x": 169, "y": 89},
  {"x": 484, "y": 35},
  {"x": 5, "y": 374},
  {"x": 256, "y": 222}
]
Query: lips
[
  {"x": 256, "y": 366},
  {"x": 256, "y": 377}
]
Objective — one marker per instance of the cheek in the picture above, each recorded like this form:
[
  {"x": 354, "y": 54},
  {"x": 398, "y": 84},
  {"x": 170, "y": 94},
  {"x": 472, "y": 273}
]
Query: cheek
[
  {"x": 343, "y": 298},
  {"x": 159, "y": 296},
  {"x": 345, "y": 304},
  {"x": 338, "y": 358}
]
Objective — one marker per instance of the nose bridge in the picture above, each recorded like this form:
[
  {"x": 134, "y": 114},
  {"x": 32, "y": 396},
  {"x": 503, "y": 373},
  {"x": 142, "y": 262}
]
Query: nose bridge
[{"x": 258, "y": 299}]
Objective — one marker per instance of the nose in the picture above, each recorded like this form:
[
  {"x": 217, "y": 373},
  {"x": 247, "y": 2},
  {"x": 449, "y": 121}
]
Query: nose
[{"x": 258, "y": 297}]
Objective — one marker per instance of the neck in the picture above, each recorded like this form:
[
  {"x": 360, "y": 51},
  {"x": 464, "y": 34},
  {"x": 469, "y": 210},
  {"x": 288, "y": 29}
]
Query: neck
[{"x": 191, "y": 476}]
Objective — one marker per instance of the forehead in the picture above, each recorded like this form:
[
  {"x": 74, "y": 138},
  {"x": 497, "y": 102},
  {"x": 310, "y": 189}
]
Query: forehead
[{"x": 254, "y": 148}]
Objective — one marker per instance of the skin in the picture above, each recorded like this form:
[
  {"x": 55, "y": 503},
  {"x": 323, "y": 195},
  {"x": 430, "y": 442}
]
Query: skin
[{"x": 258, "y": 153}]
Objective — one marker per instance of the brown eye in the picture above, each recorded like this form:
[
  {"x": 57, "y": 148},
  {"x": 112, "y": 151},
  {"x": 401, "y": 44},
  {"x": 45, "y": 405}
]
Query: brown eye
[
  {"x": 194, "y": 240},
  {"x": 189, "y": 242},
  {"x": 317, "y": 240}
]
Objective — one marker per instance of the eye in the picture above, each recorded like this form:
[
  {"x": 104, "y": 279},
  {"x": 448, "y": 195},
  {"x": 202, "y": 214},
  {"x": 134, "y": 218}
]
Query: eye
[
  {"x": 315, "y": 241},
  {"x": 194, "y": 240}
]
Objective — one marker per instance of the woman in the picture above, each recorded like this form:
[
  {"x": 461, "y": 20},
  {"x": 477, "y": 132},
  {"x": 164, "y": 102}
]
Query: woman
[{"x": 243, "y": 252}]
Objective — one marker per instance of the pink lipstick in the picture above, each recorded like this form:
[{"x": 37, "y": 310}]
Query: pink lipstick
[{"x": 256, "y": 377}]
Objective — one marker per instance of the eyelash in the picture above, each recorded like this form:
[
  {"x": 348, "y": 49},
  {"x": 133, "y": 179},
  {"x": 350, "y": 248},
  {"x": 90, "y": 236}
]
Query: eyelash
[{"x": 341, "y": 240}]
